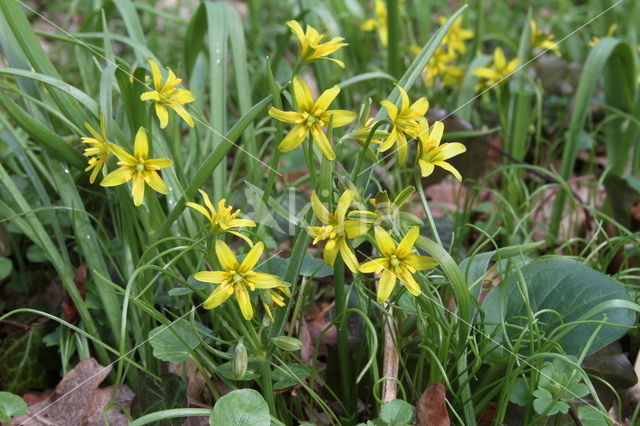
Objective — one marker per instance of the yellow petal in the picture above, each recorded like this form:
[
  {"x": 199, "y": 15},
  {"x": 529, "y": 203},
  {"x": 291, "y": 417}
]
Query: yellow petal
[
  {"x": 385, "y": 243},
  {"x": 163, "y": 115},
  {"x": 207, "y": 201},
  {"x": 405, "y": 247},
  {"x": 403, "y": 149},
  {"x": 117, "y": 177},
  {"x": 374, "y": 266},
  {"x": 330, "y": 254},
  {"x": 385, "y": 286},
  {"x": 348, "y": 256},
  {"x": 302, "y": 94},
  {"x": 338, "y": 117},
  {"x": 319, "y": 209},
  {"x": 244, "y": 302},
  {"x": 404, "y": 105},
  {"x": 265, "y": 281},
  {"x": 183, "y": 96},
  {"x": 420, "y": 263},
  {"x": 436, "y": 133},
  {"x": 322, "y": 142},
  {"x": 226, "y": 257},
  {"x": 392, "y": 110},
  {"x": 154, "y": 180},
  {"x": 122, "y": 154},
  {"x": 150, "y": 96},
  {"x": 286, "y": 116},
  {"x": 252, "y": 257},
  {"x": 343, "y": 204},
  {"x": 199, "y": 209},
  {"x": 448, "y": 167},
  {"x": 499, "y": 61},
  {"x": 409, "y": 282},
  {"x": 156, "y": 73},
  {"x": 137, "y": 190},
  {"x": 215, "y": 277},
  {"x": 451, "y": 149},
  {"x": 141, "y": 144},
  {"x": 183, "y": 113},
  {"x": 293, "y": 139},
  {"x": 355, "y": 228},
  {"x": 158, "y": 163},
  {"x": 241, "y": 223},
  {"x": 323, "y": 102},
  {"x": 426, "y": 168},
  {"x": 297, "y": 30},
  {"x": 218, "y": 296},
  {"x": 244, "y": 237}
]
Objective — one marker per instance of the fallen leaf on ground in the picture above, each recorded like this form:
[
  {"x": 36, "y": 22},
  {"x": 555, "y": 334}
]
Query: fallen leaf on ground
[
  {"x": 431, "y": 409},
  {"x": 78, "y": 400}
]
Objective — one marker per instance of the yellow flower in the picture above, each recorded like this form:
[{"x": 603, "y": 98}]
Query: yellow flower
[
  {"x": 405, "y": 121},
  {"x": 379, "y": 22},
  {"x": 439, "y": 65},
  {"x": 433, "y": 153},
  {"x": 397, "y": 262},
  {"x": 610, "y": 32},
  {"x": 99, "y": 151},
  {"x": 167, "y": 95},
  {"x": 336, "y": 230},
  {"x": 274, "y": 296},
  {"x": 224, "y": 219},
  {"x": 310, "y": 47},
  {"x": 542, "y": 39},
  {"x": 313, "y": 116},
  {"x": 456, "y": 37},
  {"x": 500, "y": 69},
  {"x": 236, "y": 277},
  {"x": 363, "y": 133},
  {"x": 139, "y": 168}
]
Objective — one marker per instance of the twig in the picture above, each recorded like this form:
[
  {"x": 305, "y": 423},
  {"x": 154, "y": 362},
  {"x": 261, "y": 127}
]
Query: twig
[{"x": 390, "y": 359}]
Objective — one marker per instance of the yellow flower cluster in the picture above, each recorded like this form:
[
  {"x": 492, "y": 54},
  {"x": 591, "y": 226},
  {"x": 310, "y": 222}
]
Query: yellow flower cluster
[
  {"x": 138, "y": 168},
  {"x": 498, "y": 71}
]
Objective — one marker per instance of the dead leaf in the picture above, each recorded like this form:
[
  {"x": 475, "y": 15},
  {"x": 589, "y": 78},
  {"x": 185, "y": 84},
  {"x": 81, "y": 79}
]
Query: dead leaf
[
  {"x": 431, "y": 409},
  {"x": 77, "y": 400}
]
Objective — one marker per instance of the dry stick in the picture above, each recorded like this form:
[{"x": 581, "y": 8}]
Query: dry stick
[{"x": 390, "y": 358}]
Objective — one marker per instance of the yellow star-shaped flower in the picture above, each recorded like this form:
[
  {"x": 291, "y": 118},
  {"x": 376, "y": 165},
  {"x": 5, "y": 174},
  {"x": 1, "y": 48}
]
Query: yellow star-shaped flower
[
  {"x": 432, "y": 153},
  {"x": 138, "y": 168},
  {"x": 499, "y": 70},
  {"x": 166, "y": 94},
  {"x": 99, "y": 151},
  {"x": 397, "y": 262},
  {"x": 311, "y": 48},
  {"x": 311, "y": 118},
  {"x": 236, "y": 278}
]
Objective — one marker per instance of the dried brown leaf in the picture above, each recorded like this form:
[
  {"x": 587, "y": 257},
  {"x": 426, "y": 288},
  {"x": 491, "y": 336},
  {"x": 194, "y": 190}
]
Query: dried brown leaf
[{"x": 431, "y": 409}]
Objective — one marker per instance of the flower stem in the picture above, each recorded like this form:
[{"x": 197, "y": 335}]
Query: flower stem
[
  {"x": 343, "y": 344},
  {"x": 267, "y": 385},
  {"x": 425, "y": 206}
]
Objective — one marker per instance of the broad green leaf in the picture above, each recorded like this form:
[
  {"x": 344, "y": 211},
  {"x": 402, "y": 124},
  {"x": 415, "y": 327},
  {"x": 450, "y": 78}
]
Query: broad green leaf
[
  {"x": 11, "y": 405},
  {"x": 292, "y": 375},
  {"x": 5, "y": 267},
  {"x": 241, "y": 407},
  {"x": 396, "y": 412},
  {"x": 563, "y": 288},
  {"x": 173, "y": 343}
]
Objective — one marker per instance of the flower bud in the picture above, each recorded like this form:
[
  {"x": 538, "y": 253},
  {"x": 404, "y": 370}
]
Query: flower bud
[
  {"x": 285, "y": 343},
  {"x": 240, "y": 361}
]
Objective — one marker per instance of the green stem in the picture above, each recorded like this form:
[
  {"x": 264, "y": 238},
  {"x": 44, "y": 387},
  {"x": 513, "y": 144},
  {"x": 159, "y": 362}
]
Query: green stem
[
  {"x": 308, "y": 155},
  {"x": 343, "y": 344},
  {"x": 427, "y": 210},
  {"x": 267, "y": 386},
  {"x": 393, "y": 47}
]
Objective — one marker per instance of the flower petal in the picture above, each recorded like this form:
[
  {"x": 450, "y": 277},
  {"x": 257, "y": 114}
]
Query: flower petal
[
  {"x": 385, "y": 243},
  {"x": 158, "y": 163},
  {"x": 420, "y": 263},
  {"x": 448, "y": 167},
  {"x": 215, "y": 277},
  {"x": 409, "y": 282},
  {"x": 323, "y": 143},
  {"x": 325, "y": 99},
  {"x": 286, "y": 116},
  {"x": 374, "y": 266},
  {"x": 163, "y": 115},
  {"x": 200, "y": 209},
  {"x": 405, "y": 247},
  {"x": 392, "y": 110},
  {"x": 355, "y": 228},
  {"x": 183, "y": 113},
  {"x": 242, "y": 236},
  {"x": 426, "y": 168},
  {"x": 218, "y": 296},
  {"x": 265, "y": 281},
  {"x": 137, "y": 189},
  {"x": 343, "y": 204},
  {"x": 293, "y": 139},
  {"x": 156, "y": 73},
  {"x": 330, "y": 253},
  {"x": 319, "y": 209},
  {"x": 141, "y": 144},
  {"x": 338, "y": 117},
  {"x": 150, "y": 96},
  {"x": 117, "y": 177},
  {"x": 385, "y": 286},
  {"x": 244, "y": 302},
  {"x": 226, "y": 257},
  {"x": 348, "y": 256},
  {"x": 154, "y": 180},
  {"x": 122, "y": 154},
  {"x": 252, "y": 257},
  {"x": 302, "y": 94}
]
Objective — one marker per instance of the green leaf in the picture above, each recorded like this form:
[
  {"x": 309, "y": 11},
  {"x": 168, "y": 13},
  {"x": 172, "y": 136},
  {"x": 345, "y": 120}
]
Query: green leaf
[
  {"x": 591, "y": 416},
  {"x": 11, "y": 405},
  {"x": 311, "y": 267},
  {"x": 226, "y": 370},
  {"x": 241, "y": 407},
  {"x": 5, "y": 267},
  {"x": 291, "y": 376},
  {"x": 545, "y": 403},
  {"x": 565, "y": 289},
  {"x": 173, "y": 343},
  {"x": 397, "y": 412}
]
